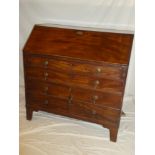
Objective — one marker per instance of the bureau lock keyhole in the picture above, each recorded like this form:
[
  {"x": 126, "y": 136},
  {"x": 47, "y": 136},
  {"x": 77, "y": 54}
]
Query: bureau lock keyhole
[
  {"x": 46, "y": 75},
  {"x": 79, "y": 33}
]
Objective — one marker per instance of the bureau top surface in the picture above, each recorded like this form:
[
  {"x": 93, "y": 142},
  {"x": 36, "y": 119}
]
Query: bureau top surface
[{"x": 108, "y": 47}]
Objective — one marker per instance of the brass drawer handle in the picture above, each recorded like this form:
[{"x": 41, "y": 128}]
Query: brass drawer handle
[
  {"x": 95, "y": 97},
  {"x": 46, "y": 102},
  {"x": 46, "y": 63},
  {"x": 99, "y": 70},
  {"x": 79, "y": 32},
  {"x": 46, "y": 74},
  {"x": 97, "y": 82}
]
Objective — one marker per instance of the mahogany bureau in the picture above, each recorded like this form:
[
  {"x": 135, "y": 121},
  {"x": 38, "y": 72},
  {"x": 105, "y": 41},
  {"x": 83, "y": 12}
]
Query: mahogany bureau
[{"x": 77, "y": 73}]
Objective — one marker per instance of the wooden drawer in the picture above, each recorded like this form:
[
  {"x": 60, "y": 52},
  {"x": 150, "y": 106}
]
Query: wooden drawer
[
  {"x": 54, "y": 104},
  {"x": 42, "y": 62},
  {"x": 53, "y": 89},
  {"x": 91, "y": 112},
  {"x": 98, "y": 83},
  {"x": 47, "y": 75},
  {"x": 77, "y": 80},
  {"x": 106, "y": 71},
  {"x": 101, "y": 99}
]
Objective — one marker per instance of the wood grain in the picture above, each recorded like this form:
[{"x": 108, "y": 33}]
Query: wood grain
[
  {"x": 77, "y": 73},
  {"x": 98, "y": 46}
]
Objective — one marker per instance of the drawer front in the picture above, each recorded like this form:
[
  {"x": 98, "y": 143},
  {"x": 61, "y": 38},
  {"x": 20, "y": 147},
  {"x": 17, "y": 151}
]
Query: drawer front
[
  {"x": 42, "y": 62},
  {"x": 98, "y": 70},
  {"x": 76, "y": 67},
  {"x": 74, "y": 109},
  {"x": 101, "y": 99},
  {"x": 53, "y": 89},
  {"x": 98, "y": 83},
  {"x": 47, "y": 103},
  {"x": 77, "y": 80},
  {"x": 94, "y": 113},
  {"x": 46, "y": 75}
]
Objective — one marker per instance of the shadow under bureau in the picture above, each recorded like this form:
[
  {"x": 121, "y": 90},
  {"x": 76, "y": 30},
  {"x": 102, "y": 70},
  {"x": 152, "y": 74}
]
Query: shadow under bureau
[{"x": 77, "y": 73}]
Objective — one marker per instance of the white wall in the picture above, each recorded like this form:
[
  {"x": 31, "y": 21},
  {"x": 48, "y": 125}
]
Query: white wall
[{"x": 115, "y": 14}]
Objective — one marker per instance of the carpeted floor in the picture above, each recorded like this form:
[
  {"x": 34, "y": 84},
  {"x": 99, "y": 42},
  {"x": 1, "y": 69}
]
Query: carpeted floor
[{"x": 49, "y": 134}]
